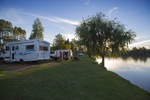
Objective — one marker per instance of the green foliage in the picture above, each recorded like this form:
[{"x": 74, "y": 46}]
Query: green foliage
[
  {"x": 37, "y": 31},
  {"x": 8, "y": 33},
  {"x": 61, "y": 43},
  {"x": 6, "y": 30},
  {"x": 67, "y": 44},
  {"x": 103, "y": 36},
  {"x": 73, "y": 80},
  {"x": 58, "y": 42},
  {"x": 19, "y": 33},
  {"x": 74, "y": 45}
]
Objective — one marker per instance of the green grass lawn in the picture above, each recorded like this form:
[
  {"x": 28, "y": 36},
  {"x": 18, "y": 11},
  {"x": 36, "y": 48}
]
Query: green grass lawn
[{"x": 68, "y": 80}]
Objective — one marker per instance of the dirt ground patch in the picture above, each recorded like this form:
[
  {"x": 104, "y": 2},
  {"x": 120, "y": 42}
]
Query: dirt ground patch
[{"x": 15, "y": 67}]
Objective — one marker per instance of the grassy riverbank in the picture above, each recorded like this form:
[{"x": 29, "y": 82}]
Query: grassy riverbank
[{"x": 69, "y": 80}]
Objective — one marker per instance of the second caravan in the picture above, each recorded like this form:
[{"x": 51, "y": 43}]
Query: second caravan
[{"x": 61, "y": 54}]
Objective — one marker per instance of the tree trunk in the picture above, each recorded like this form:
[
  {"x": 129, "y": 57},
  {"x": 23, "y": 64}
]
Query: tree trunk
[{"x": 103, "y": 61}]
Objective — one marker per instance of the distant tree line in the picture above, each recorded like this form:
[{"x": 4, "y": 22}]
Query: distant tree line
[{"x": 138, "y": 52}]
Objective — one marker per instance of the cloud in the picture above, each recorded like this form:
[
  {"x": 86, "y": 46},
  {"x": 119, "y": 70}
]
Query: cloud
[
  {"x": 141, "y": 41},
  {"x": 69, "y": 36},
  {"x": 25, "y": 20},
  {"x": 55, "y": 19},
  {"x": 139, "y": 37},
  {"x": 111, "y": 11},
  {"x": 13, "y": 15},
  {"x": 144, "y": 43}
]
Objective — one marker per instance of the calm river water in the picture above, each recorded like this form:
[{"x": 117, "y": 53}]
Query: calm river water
[{"x": 137, "y": 71}]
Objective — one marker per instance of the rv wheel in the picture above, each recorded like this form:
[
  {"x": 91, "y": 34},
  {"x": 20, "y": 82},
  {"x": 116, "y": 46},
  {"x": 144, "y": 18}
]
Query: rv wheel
[{"x": 21, "y": 61}]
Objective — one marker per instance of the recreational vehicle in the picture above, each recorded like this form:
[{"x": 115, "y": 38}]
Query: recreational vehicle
[{"x": 27, "y": 50}]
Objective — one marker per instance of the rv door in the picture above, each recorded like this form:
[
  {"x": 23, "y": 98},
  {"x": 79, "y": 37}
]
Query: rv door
[{"x": 11, "y": 53}]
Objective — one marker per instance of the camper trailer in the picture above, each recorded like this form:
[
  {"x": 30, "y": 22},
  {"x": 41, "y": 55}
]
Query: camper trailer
[
  {"x": 65, "y": 54},
  {"x": 27, "y": 50},
  {"x": 61, "y": 54}
]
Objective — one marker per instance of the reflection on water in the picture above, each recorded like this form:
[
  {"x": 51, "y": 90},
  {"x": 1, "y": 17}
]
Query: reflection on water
[
  {"x": 137, "y": 71},
  {"x": 136, "y": 59}
]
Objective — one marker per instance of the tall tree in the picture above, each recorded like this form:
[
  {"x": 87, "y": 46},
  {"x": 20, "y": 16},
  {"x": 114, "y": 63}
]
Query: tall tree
[
  {"x": 67, "y": 44},
  {"x": 37, "y": 31},
  {"x": 59, "y": 42},
  {"x": 102, "y": 36},
  {"x": 73, "y": 44},
  {"x": 19, "y": 33},
  {"x": 6, "y": 31}
]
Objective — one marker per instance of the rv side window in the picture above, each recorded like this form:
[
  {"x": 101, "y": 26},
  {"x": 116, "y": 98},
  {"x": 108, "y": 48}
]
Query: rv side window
[
  {"x": 52, "y": 52},
  {"x": 15, "y": 48},
  {"x": 43, "y": 48},
  {"x": 7, "y": 48},
  {"x": 30, "y": 47}
]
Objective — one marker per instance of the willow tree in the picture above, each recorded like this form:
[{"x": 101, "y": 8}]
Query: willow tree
[{"x": 103, "y": 36}]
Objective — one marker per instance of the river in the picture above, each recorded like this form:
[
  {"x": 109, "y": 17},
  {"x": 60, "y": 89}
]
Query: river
[{"x": 137, "y": 71}]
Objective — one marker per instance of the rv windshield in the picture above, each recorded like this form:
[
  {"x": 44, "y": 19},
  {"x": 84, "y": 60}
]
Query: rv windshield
[{"x": 52, "y": 52}]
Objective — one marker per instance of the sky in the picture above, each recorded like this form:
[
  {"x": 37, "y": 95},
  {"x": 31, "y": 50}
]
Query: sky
[{"x": 62, "y": 16}]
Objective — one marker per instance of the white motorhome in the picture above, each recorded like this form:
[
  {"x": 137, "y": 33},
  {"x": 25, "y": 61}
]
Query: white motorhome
[{"x": 27, "y": 50}]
